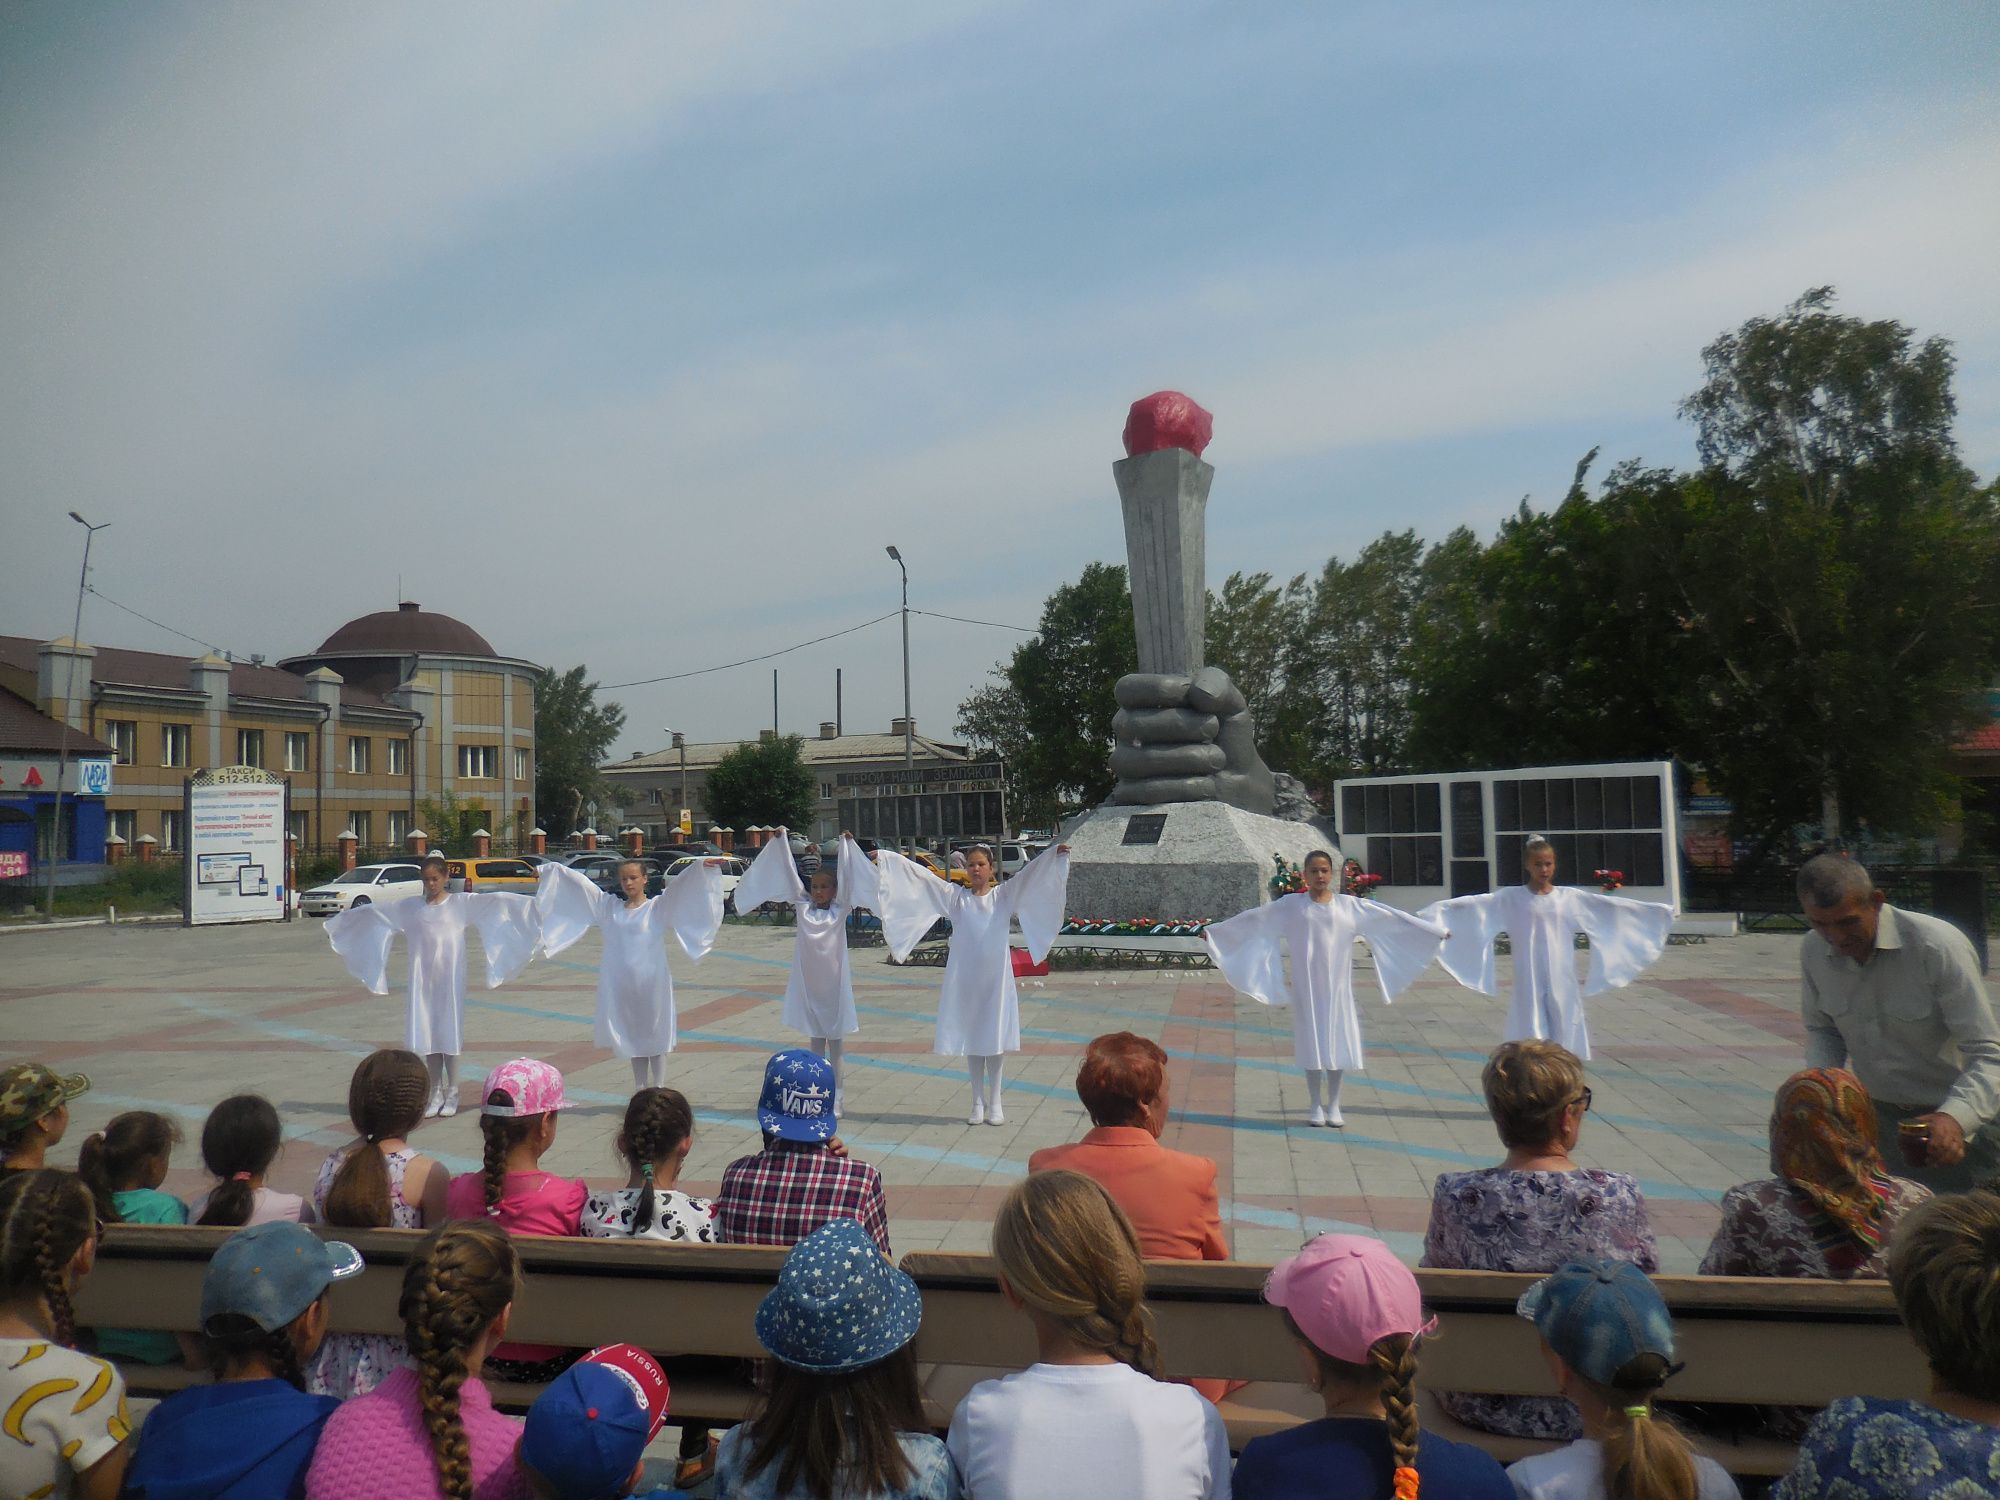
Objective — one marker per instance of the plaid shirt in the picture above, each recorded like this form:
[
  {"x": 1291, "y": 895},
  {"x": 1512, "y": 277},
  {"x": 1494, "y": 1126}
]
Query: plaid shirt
[{"x": 783, "y": 1194}]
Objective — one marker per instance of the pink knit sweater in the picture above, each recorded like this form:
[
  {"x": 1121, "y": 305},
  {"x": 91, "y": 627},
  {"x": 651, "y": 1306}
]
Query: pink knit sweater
[{"x": 375, "y": 1447}]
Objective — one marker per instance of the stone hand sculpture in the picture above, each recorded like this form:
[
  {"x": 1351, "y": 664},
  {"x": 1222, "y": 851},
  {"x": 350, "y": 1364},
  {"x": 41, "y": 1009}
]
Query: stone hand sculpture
[{"x": 1187, "y": 738}]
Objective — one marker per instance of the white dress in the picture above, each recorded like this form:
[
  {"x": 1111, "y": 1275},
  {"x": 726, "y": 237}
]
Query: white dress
[
  {"x": 819, "y": 996},
  {"x": 1326, "y": 1032},
  {"x": 979, "y": 1012},
  {"x": 435, "y": 934},
  {"x": 635, "y": 993},
  {"x": 1626, "y": 937}
]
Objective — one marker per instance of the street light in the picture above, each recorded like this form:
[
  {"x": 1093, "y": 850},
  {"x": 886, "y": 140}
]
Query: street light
[
  {"x": 69, "y": 697},
  {"x": 680, "y": 743},
  {"x": 909, "y": 730}
]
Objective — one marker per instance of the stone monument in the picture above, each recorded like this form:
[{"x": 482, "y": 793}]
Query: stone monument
[{"x": 1188, "y": 830}]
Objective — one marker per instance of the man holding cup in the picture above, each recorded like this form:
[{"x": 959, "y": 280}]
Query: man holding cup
[{"x": 1897, "y": 997}]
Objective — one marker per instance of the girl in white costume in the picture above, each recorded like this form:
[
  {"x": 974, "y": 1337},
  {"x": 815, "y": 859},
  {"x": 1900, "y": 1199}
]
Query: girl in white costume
[
  {"x": 819, "y": 996},
  {"x": 979, "y": 1011},
  {"x": 635, "y": 993},
  {"x": 1320, "y": 927},
  {"x": 433, "y": 929},
  {"x": 1543, "y": 918}
]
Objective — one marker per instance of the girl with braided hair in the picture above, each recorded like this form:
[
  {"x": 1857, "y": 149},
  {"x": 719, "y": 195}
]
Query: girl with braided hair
[
  {"x": 655, "y": 1141},
  {"x": 376, "y": 1182},
  {"x": 124, "y": 1164},
  {"x": 1357, "y": 1317},
  {"x": 64, "y": 1429},
  {"x": 263, "y": 1311},
  {"x": 1089, "y": 1417},
  {"x": 431, "y": 1430}
]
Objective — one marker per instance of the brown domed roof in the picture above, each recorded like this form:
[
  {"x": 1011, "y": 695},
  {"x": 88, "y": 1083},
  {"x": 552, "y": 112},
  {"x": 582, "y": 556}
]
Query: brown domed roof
[{"x": 406, "y": 628}]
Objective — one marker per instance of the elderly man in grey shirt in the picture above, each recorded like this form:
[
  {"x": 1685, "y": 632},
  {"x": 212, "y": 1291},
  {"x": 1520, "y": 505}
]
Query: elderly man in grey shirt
[{"x": 1897, "y": 997}]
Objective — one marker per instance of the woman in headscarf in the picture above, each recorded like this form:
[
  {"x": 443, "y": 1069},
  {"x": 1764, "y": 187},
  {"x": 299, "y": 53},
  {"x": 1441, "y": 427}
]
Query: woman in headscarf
[{"x": 1829, "y": 1212}]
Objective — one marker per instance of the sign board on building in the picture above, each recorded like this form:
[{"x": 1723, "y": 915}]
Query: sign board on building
[
  {"x": 235, "y": 820},
  {"x": 93, "y": 778},
  {"x": 13, "y": 864},
  {"x": 89, "y": 777},
  {"x": 898, "y": 781}
]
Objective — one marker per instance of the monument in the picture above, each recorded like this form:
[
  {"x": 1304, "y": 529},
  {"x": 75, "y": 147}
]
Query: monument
[{"x": 1189, "y": 828}]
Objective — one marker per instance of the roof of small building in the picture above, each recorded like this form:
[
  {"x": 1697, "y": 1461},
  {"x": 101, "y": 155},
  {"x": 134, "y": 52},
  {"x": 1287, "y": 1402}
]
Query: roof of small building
[
  {"x": 406, "y": 628},
  {"x": 157, "y": 669},
  {"x": 1984, "y": 740},
  {"x": 23, "y": 727},
  {"x": 838, "y": 748}
]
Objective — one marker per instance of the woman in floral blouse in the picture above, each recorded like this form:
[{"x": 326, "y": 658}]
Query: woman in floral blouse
[{"x": 1536, "y": 1211}]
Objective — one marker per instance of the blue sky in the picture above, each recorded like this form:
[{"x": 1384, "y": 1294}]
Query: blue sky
[{"x": 630, "y": 334}]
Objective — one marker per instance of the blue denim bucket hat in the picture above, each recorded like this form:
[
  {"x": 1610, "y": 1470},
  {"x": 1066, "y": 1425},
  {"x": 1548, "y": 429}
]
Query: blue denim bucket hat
[
  {"x": 1599, "y": 1316},
  {"x": 838, "y": 1304}
]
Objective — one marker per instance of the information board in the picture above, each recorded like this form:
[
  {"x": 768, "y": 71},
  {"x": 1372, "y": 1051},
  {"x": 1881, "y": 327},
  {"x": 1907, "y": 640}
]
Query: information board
[{"x": 235, "y": 820}]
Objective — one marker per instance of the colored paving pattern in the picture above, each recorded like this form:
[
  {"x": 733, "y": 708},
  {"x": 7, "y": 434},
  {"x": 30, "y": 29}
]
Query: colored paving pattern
[{"x": 172, "y": 1019}]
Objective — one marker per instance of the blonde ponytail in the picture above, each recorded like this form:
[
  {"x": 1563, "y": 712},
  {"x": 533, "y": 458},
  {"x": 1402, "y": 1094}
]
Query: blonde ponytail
[
  {"x": 1646, "y": 1457},
  {"x": 1070, "y": 1254}
]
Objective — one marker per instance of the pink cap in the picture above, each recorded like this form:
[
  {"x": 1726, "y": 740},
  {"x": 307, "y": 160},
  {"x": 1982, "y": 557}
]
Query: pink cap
[
  {"x": 534, "y": 1087},
  {"x": 1346, "y": 1292}
]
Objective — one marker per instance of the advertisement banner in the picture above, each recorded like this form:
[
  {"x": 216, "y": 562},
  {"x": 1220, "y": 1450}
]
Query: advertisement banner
[{"x": 235, "y": 820}]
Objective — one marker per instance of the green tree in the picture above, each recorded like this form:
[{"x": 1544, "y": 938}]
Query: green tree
[
  {"x": 573, "y": 734},
  {"x": 763, "y": 782},
  {"x": 1257, "y": 634}
]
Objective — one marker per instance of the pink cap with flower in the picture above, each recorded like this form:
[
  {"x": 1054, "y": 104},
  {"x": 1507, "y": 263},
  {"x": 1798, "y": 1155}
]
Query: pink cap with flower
[
  {"x": 532, "y": 1086},
  {"x": 1346, "y": 1292}
]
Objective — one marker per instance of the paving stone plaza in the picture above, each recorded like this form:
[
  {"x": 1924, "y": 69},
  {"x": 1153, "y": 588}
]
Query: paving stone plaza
[{"x": 174, "y": 1019}]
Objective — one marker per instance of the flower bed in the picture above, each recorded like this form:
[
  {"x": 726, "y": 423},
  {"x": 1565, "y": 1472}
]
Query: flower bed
[{"x": 1134, "y": 926}]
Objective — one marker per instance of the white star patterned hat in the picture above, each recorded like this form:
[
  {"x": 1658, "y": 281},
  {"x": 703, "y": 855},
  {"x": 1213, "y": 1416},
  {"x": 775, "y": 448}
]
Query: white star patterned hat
[{"x": 838, "y": 1305}]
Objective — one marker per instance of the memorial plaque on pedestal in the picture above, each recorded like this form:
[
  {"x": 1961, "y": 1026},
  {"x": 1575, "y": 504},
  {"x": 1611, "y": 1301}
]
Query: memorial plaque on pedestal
[{"x": 1146, "y": 828}]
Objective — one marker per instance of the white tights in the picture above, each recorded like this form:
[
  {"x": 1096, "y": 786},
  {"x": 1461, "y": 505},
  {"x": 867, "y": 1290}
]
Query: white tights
[
  {"x": 1327, "y": 1081},
  {"x": 828, "y": 1047},
  {"x": 985, "y": 1073},
  {"x": 443, "y": 1070},
  {"x": 649, "y": 1072}
]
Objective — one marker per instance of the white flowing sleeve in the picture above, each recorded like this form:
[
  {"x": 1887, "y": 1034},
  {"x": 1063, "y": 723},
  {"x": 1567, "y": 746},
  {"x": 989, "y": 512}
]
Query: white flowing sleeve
[
  {"x": 510, "y": 928},
  {"x": 773, "y": 876},
  {"x": 1249, "y": 949},
  {"x": 1035, "y": 899},
  {"x": 859, "y": 888},
  {"x": 361, "y": 935},
  {"x": 1403, "y": 945},
  {"x": 910, "y": 899},
  {"x": 690, "y": 907},
  {"x": 1627, "y": 937},
  {"x": 1467, "y": 955},
  {"x": 568, "y": 904}
]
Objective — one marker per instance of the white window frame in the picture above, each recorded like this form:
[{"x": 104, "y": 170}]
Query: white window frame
[
  {"x": 399, "y": 828},
  {"x": 359, "y": 754},
  {"x": 363, "y": 824},
  {"x": 124, "y": 737},
  {"x": 479, "y": 762},
  {"x": 176, "y": 741},
  {"x": 123, "y": 823},
  {"x": 399, "y": 757},
  {"x": 250, "y": 747},
  {"x": 298, "y": 749},
  {"x": 520, "y": 763},
  {"x": 173, "y": 838},
  {"x": 299, "y": 826}
]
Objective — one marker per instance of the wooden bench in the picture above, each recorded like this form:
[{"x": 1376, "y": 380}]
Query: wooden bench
[{"x": 1744, "y": 1341}]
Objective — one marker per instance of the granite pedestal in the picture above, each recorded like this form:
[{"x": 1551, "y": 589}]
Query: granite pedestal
[{"x": 1208, "y": 860}]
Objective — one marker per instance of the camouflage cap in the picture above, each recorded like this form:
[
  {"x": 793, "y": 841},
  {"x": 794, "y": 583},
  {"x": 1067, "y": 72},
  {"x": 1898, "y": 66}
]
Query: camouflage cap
[{"x": 29, "y": 1090}]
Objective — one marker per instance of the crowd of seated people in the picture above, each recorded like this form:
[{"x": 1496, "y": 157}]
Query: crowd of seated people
[{"x": 294, "y": 1410}]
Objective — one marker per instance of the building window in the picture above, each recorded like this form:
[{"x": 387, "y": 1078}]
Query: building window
[
  {"x": 520, "y": 764},
  {"x": 357, "y": 755},
  {"x": 121, "y": 823},
  {"x": 826, "y": 791},
  {"x": 1403, "y": 823},
  {"x": 479, "y": 762},
  {"x": 298, "y": 750},
  {"x": 174, "y": 744},
  {"x": 399, "y": 828},
  {"x": 298, "y": 825},
  {"x": 399, "y": 757},
  {"x": 124, "y": 737},
  {"x": 363, "y": 824},
  {"x": 170, "y": 833},
  {"x": 249, "y": 747}
]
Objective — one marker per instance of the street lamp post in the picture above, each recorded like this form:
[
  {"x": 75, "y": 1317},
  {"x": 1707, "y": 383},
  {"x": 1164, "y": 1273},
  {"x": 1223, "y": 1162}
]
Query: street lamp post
[
  {"x": 680, "y": 743},
  {"x": 909, "y": 730},
  {"x": 69, "y": 696}
]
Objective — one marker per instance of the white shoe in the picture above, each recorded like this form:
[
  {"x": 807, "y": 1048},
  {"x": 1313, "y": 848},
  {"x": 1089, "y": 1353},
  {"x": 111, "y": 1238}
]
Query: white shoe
[
  {"x": 836, "y": 1106},
  {"x": 996, "y": 1115},
  {"x": 450, "y": 1105},
  {"x": 978, "y": 1115},
  {"x": 435, "y": 1107},
  {"x": 1334, "y": 1118},
  {"x": 1319, "y": 1114}
]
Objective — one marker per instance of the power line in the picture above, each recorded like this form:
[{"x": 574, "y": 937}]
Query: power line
[
  {"x": 205, "y": 645},
  {"x": 612, "y": 687},
  {"x": 961, "y": 619}
]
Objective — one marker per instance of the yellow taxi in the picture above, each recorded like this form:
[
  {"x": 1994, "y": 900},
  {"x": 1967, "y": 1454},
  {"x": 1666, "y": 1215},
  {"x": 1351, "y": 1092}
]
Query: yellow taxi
[
  {"x": 940, "y": 868},
  {"x": 490, "y": 875}
]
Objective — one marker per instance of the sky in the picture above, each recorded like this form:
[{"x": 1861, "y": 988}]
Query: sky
[{"x": 631, "y": 334}]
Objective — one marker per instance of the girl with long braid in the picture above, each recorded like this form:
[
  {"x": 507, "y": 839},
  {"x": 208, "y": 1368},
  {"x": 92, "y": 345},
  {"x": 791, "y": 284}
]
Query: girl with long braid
[
  {"x": 430, "y": 1429},
  {"x": 1356, "y": 1314},
  {"x": 1090, "y": 1416},
  {"x": 263, "y": 1313},
  {"x": 123, "y": 1165},
  {"x": 376, "y": 1182},
  {"x": 657, "y": 1135},
  {"x": 64, "y": 1429}
]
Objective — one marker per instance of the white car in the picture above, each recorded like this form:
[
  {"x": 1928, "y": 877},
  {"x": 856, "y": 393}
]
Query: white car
[
  {"x": 733, "y": 871},
  {"x": 361, "y": 886}
]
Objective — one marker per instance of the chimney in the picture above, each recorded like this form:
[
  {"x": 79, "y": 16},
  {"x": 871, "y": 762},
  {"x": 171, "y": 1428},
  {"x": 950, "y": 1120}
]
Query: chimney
[
  {"x": 900, "y": 726},
  {"x": 407, "y": 607},
  {"x": 828, "y": 729},
  {"x": 764, "y": 736}
]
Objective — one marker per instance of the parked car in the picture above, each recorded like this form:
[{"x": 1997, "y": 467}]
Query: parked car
[
  {"x": 604, "y": 873},
  {"x": 490, "y": 875},
  {"x": 942, "y": 868},
  {"x": 363, "y": 886},
  {"x": 538, "y": 860},
  {"x": 732, "y": 874}
]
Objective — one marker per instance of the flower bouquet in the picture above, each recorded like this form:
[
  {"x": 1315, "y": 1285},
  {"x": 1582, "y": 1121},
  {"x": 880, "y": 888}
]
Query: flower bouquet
[
  {"x": 1609, "y": 880},
  {"x": 1286, "y": 878}
]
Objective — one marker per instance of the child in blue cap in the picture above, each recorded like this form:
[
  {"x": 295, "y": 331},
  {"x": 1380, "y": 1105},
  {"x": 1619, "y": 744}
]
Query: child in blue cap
[
  {"x": 1609, "y": 1341},
  {"x": 586, "y": 1434},
  {"x": 251, "y": 1435}
]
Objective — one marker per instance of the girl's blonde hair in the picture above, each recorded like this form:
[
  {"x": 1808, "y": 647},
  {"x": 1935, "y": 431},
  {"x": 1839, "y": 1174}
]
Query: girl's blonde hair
[
  {"x": 1646, "y": 1457},
  {"x": 461, "y": 1277},
  {"x": 1071, "y": 1255}
]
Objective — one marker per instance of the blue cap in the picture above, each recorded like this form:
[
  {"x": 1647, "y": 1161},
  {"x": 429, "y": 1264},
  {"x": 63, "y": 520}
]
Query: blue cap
[
  {"x": 1599, "y": 1316},
  {"x": 797, "y": 1102},
  {"x": 270, "y": 1273},
  {"x": 838, "y": 1304},
  {"x": 589, "y": 1428}
]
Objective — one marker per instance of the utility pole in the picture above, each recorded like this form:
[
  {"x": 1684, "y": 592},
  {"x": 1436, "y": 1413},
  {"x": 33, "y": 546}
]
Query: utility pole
[
  {"x": 69, "y": 697},
  {"x": 909, "y": 729}
]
